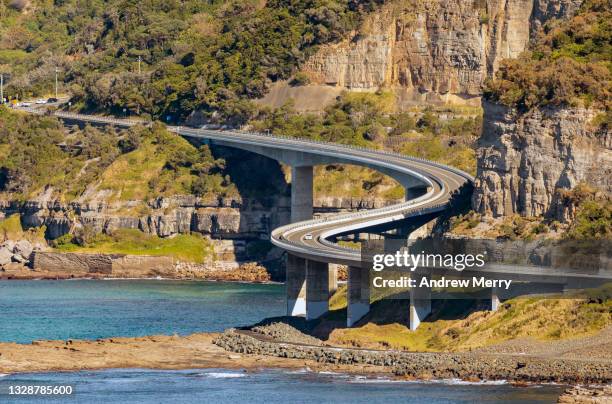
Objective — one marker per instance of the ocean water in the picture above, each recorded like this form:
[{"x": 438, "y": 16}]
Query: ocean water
[
  {"x": 89, "y": 309},
  {"x": 32, "y": 310},
  {"x": 270, "y": 386}
]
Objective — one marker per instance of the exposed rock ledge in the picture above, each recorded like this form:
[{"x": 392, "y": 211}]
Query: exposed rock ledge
[
  {"x": 153, "y": 352},
  {"x": 52, "y": 265},
  {"x": 228, "y": 218},
  {"x": 584, "y": 395}
]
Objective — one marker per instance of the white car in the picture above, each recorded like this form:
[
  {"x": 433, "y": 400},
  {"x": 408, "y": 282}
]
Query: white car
[
  {"x": 41, "y": 101},
  {"x": 308, "y": 236}
]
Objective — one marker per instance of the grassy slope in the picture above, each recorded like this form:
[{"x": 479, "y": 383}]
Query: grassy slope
[
  {"x": 449, "y": 329},
  {"x": 353, "y": 181},
  {"x": 184, "y": 247},
  {"x": 128, "y": 176},
  {"x": 10, "y": 229}
]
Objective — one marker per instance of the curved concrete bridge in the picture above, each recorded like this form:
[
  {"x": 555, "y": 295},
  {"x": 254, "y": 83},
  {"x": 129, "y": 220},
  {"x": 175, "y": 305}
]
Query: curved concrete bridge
[{"x": 311, "y": 277}]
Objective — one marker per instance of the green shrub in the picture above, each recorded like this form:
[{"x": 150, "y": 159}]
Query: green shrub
[
  {"x": 300, "y": 79},
  {"x": 593, "y": 221},
  {"x": 569, "y": 65}
]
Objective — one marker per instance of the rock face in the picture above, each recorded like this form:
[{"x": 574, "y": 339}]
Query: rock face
[
  {"x": 74, "y": 263},
  {"x": 438, "y": 51},
  {"x": 218, "y": 217},
  {"x": 524, "y": 158},
  {"x": 227, "y": 218}
]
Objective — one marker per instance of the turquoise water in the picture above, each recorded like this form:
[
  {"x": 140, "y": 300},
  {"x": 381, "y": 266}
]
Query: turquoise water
[
  {"x": 223, "y": 386},
  {"x": 88, "y": 309},
  {"x": 31, "y": 310}
]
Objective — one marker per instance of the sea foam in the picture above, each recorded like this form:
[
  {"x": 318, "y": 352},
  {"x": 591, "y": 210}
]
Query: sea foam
[{"x": 223, "y": 375}]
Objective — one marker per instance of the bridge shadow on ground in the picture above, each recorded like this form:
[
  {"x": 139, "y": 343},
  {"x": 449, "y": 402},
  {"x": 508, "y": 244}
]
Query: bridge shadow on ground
[
  {"x": 383, "y": 312},
  {"x": 459, "y": 204}
]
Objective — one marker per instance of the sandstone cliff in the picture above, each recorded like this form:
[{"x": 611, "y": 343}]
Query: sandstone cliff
[
  {"x": 434, "y": 51},
  {"x": 523, "y": 159},
  {"x": 226, "y": 218}
]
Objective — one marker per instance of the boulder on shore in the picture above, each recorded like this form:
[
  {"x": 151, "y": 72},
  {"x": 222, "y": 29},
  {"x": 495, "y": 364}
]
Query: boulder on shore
[
  {"x": 22, "y": 250},
  {"x": 5, "y": 256}
]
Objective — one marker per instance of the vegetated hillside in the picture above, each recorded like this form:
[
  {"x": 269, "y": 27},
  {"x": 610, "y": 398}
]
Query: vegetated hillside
[
  {"x": 569, "y": 65},
  {"x": 39, "y": 156},
  {"x": 214, "y": 57},
  {"x": 207, "y": 55},
  {"x": 372, "y": 120}
]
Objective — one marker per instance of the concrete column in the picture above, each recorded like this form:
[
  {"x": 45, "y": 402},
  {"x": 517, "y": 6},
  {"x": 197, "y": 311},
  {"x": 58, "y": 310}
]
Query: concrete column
[
  {"x": 494, "y": 300},
  {"x": 358, "y": 295},
  {"x": 301, "y": 193},
  {"x": 295, "y": 285},
  {"x": 420, "y": 303},
  {"x": 317, "y": 289},
  {"x": 333, "y": 279}
]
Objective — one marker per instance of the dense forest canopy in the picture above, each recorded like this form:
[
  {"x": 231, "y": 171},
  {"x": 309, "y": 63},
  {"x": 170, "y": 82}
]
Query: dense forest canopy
[{"x": 209, "y": 55}]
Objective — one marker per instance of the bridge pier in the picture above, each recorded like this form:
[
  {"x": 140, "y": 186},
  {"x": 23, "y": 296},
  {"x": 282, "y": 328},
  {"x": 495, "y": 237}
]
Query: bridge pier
[
  {"x": 317, "y": 289},
  {"x": 358, "y": 295},
  {"x": 333, "y": 279},
  {"x": 301, "y": 209},
  {"x": 301, "y": 193},
  {"x": 420, "y": 303},
  {"x": 495, "y": 302},
  {"x": 295, "y": 284}
]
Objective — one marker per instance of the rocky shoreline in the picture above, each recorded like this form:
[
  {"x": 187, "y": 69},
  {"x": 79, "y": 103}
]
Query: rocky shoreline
[
  {"x": 248, "y": 272},
  {"x": 22, "y": 260},
  {"x": 196, "y": 351},
  {"x": 584, "y": 395},
  {"x": 414, "y": 365},
  {"x": 237, "y": 350}
]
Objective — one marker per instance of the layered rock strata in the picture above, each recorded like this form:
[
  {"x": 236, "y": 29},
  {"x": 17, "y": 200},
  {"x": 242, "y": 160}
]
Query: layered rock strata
[
  {"x": 525, "y": 158},
  {"x": 435, "y": 51}
]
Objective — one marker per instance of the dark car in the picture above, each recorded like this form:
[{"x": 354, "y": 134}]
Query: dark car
[{"x": 52, "y": 100}]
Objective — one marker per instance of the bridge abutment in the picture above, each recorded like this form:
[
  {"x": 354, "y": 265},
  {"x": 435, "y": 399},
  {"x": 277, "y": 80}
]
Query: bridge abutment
[
  {"x": 317, "y": 289},
  {"x": 420, "y": 303},
  {"x": 358, "y": 295}
]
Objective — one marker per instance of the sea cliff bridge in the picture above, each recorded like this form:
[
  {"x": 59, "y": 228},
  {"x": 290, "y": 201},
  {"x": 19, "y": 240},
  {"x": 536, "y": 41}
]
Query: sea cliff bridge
[{"x": 312, "y": 253}]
